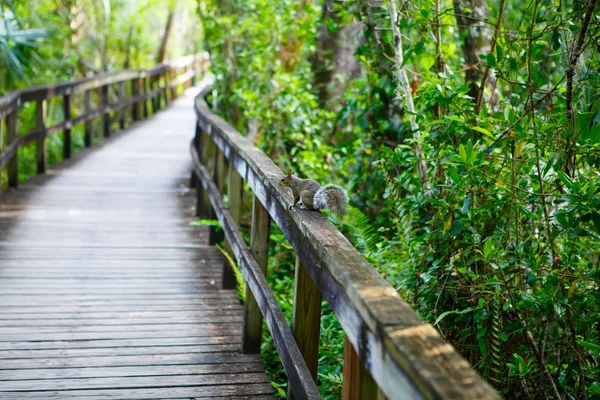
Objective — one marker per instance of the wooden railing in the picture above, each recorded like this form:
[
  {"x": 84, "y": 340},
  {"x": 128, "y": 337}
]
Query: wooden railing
[
  {"x": 389, "y": 351},
  {"x": 145, "y": 92}
]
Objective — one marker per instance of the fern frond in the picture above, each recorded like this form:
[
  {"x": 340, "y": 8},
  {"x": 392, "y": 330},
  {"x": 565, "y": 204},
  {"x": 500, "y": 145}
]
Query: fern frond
[
  {"x": 497, "y": 365},
  {"x": 239, "y": 277},
  {"x": 364, "y": 231}
]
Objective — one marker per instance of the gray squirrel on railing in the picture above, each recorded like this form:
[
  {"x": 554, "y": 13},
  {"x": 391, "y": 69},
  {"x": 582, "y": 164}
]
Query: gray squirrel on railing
[{"x": 312, "y": 196}]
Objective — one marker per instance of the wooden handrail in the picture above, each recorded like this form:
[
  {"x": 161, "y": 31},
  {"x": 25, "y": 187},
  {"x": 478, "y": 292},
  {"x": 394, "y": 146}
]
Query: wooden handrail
[
  {"x": 161, "y": 80},
  {"x": 405, "y": 356}
]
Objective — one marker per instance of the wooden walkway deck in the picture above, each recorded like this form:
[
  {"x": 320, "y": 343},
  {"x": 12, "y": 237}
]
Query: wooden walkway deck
[{"x": 106, "y": 291}]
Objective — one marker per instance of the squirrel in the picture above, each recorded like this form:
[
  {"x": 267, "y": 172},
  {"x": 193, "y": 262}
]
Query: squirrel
[{"x": 312, "y": 196}]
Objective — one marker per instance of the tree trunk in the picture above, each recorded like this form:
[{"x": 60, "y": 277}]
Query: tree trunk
[
  {"x": 162, "y": 50},
  {"x": 334, "y": 56},
  {"x": 475, "y": 37}
]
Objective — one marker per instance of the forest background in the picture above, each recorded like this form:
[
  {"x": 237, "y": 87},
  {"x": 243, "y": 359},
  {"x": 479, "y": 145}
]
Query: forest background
[{"x": 467, "y": 133}]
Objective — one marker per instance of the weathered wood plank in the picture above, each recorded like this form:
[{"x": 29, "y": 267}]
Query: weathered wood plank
[
  {"x": 306, "y": 319},
  {"x": 12, "y": 167},
  {"x": 259, "y": 246},
  {"x": 67, "y": 139},
  {"x": 220, "y": 392},
  {"x": 358, "y": 382},
  {"x": 40, "y": 123}
]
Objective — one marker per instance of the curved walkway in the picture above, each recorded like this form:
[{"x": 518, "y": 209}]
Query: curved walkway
[{"x": 105, "y": 289}]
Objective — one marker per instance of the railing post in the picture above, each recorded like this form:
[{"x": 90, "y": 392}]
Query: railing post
[
  {"x": 145, "y": 83},
  {"x": 165, "y": 89},
  {"x": 215, "y": 236},
  {"x": 235, "y": 191},
  {"x": 87, "y": 136},
  {"x": 358, "y": 382},
  {"x": 174, "y": 87},
  {"x": 140, "y": 91},
  {"x": 40, "y": 146},
  {"x": 134, "y": 106},
  {"x": 121, "y": 98},
  {"x": 259, "y": 245},
  {"x": 306, "y": 319},
  {"x": 203, "y": 207},
  {"x": 12, "y": 167},
  {"x": 156, "y": 97},
  {"x": 67, "y": 146},
  {"x": 106, "y": 119}
]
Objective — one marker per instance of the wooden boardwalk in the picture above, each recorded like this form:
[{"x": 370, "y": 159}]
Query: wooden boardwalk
[{"x": 105, "y": 289}]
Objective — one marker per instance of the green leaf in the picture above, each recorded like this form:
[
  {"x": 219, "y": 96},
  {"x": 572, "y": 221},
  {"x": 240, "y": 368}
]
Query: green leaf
[
  {"x": 566, "y": 180},
  {"x": 593, "y": 347},
  {"x": 484, "y": 131},
  {"x": 491, "y": 60},
  {"x": 462, "y": 153},
  {"x": 446, "y": 313}
]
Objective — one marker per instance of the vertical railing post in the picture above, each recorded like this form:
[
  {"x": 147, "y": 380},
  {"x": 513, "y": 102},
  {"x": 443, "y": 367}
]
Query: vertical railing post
[
  {"x": 174, "y": 87},
  {"x": 306, "y": 319},
  {"x": 203, "y": 207},
  {"x": 216, "y": 235},
  {"x": 145, "y": 84},
  {"x": 235, "y": 191},
  {"x": 165, "y": 89},
  {"x": 67, "y": 142},
  {"x": 121, "y": 98},
  {"x": 140, "y": 104},
  {"x": 134, "y": 106},
  {"x": 259, "y": 246},
  {"x": 106, "y": 113},
  {"x": 12, "y": 168},
  {"x": 156, "y": 97},
  {"x": 40, "y": 145},
  {"x": 87, "y": 136},
  {"x": 358, "y": 382}
]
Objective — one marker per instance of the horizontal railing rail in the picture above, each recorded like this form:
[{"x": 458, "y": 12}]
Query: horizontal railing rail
[
  {"x": 389, "y": 351},
  {"x": 157, "y": 85}
]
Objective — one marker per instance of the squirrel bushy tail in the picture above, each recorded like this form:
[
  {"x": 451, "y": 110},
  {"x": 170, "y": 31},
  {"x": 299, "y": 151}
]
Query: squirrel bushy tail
[{"x": 332, "y": 197}]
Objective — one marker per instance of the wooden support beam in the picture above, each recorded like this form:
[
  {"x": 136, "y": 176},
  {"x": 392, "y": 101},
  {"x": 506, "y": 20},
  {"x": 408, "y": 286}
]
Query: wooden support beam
[
  {"x": 306, "y": 319},
  {"x": 135, "y": 106},
  {"x": 140, "y": 107},
  {"x": 203, "y": 207},
  {"x": 87, "y": 136},
  {"x": 259, "y": 246},
  {"x": 235, "y": 190},
  {"x": 358, "y": 382},
  {"x": 219, "y": 173},
  {"x": 67, "y": 139},
  {"x": 106, "y": 118},
  {"x": 122, "y": 96},
  {"x": 40, "y": 145},
  {"x": 145, "y": 85},
  {"x": 12, "y": 168}
]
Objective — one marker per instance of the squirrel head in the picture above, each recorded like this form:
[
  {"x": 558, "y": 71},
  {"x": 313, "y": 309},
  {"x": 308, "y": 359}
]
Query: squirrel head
[{"x": 286, "y": 180}]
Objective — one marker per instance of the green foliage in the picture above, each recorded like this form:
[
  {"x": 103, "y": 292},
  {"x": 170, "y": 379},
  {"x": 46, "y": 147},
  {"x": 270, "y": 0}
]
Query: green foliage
[{"x": 504, "y": 244}]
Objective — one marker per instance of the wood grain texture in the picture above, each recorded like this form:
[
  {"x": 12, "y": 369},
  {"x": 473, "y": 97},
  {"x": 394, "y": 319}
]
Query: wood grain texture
[
  {"x": 306, "y": 319},
  {"x": 106, "y": 291},
  {"x": 406, "y": 356}
]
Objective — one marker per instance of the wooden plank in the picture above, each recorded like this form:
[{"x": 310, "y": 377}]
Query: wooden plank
[
  {"x": 67, "y": 140},
  {"x": 215, "y": 235},
  {"x": 130, "y": 360},
  {"x": 113, "y": 372},
  {"x": 219, "y": 392},
  {"x": 12, "y": 168},
  {"x": 394, "y": 342},
  {"x": 87, "y": 136},
  {"x": 40, "y": 123},
  {"x": 106, "y": 116},
  {"x": 119, "y": 351},
  {"x": 306, "y": 319},
  {"x": 235, "y": 191},
  {"x": 259, "y": 246},
  {"x": 358, "y": 382},
  {"x": 122, "y": 115},
  {"x": 147, "y": 382}
]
